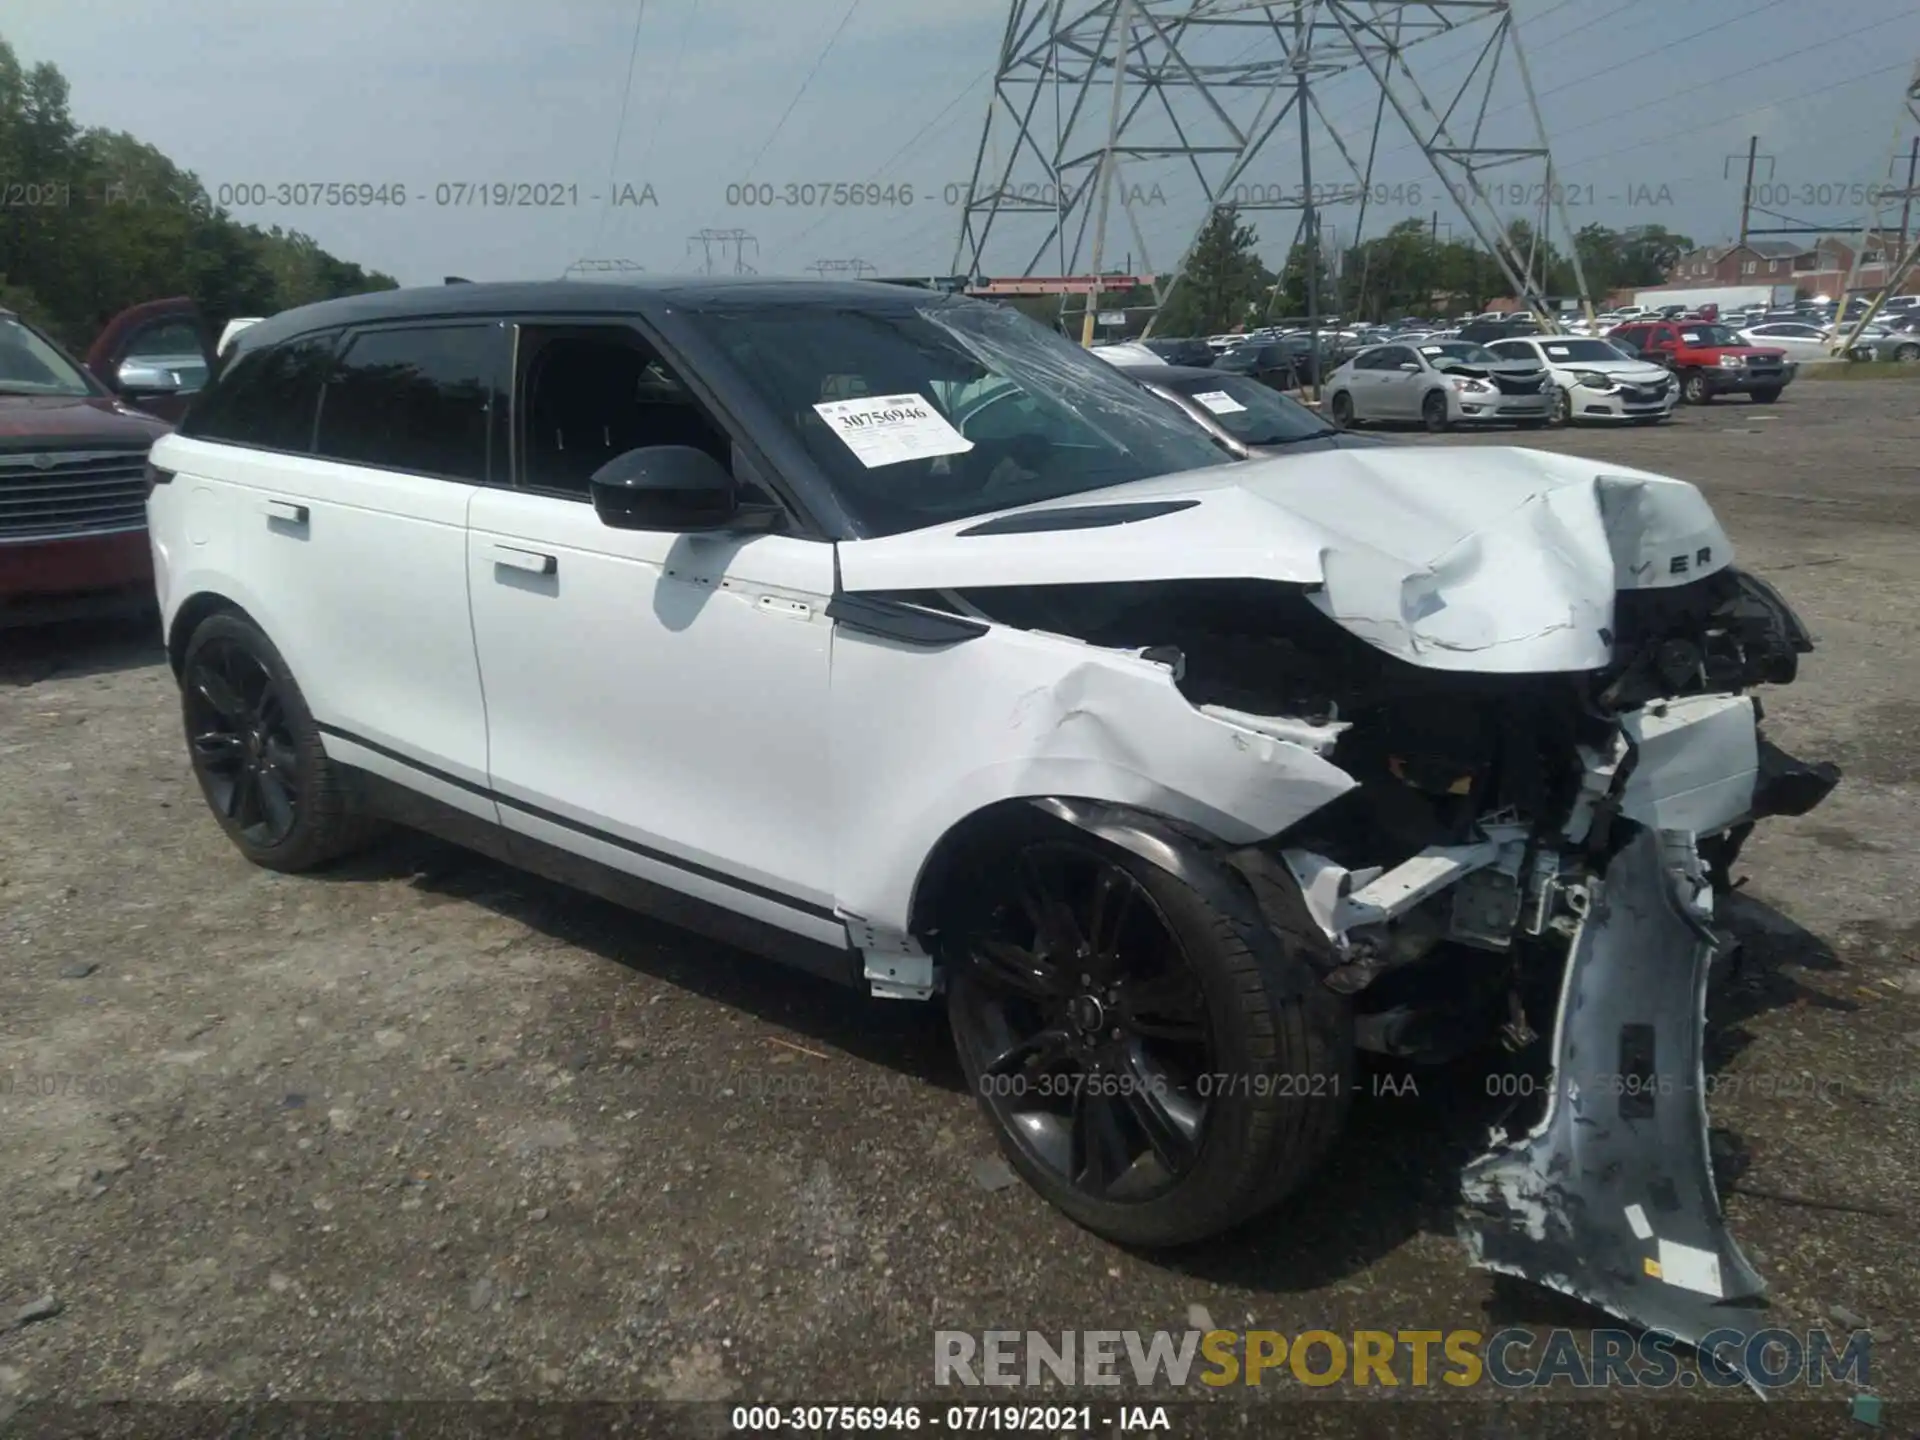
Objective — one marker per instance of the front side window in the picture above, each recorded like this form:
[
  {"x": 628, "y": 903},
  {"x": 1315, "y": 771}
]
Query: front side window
[
  {"x": 964, "y": 408},
  {"x": 419, "y": 399},
  {"x": 265, "y": 398},
  {"x": 31, "y": 365}
]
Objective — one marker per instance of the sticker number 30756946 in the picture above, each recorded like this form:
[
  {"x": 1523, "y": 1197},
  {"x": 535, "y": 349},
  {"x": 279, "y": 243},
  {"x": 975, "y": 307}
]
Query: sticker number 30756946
[{"x": 887, "y": 429}]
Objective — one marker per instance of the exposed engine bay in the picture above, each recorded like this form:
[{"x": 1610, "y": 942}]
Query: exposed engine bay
[{"x": 1525, "y": 857}]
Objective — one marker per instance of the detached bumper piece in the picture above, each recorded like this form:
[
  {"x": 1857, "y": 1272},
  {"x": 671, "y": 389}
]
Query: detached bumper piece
[
  {"x": 1786, "y": 786},
  {"x": 1611, "y": 1199}
]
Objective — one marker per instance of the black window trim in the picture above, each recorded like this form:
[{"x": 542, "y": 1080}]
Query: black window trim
[
  {"x": 343, "y": 343},
  {"x": 748, "y": 456}
]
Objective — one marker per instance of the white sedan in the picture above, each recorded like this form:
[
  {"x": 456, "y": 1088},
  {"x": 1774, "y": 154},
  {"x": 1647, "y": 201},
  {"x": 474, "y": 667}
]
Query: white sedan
[
  {"x": 1596, "y": 380},
  {"x": 1800, "y": 342},
  {"x": 1440, "y": 384}
]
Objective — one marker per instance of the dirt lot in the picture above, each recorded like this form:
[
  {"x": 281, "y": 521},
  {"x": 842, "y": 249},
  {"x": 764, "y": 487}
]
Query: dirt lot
[{"x": 426, "y": 1128}]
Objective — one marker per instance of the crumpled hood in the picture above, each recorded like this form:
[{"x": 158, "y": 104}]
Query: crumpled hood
[{"x": 1493, "y": 560}]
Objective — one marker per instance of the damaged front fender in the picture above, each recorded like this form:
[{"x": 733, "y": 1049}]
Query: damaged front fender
[{"x": 1611, "y": 1198}]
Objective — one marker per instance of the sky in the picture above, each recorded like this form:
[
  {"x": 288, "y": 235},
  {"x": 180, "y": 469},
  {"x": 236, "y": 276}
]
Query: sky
[{"x": 622, "y": 129}]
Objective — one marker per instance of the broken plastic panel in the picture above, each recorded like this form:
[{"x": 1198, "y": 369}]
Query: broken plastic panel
[{"x": 1611, "y": 1198}]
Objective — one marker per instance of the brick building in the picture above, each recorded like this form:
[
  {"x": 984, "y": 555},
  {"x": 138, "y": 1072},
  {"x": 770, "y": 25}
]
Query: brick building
[{"x": 1812, "y": 267}]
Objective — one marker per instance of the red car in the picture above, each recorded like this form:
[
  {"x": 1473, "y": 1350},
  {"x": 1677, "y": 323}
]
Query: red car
[
  {"x": 1709, "y": 359},
  {"x": 73, "y": 451}
]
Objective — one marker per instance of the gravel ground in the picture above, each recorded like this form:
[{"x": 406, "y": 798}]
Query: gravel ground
[{"x": 424, "y": 1128}]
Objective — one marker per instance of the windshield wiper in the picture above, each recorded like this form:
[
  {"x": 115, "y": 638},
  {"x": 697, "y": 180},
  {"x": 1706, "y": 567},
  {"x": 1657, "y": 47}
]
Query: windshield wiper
[{"x": 1295, "y": 439}]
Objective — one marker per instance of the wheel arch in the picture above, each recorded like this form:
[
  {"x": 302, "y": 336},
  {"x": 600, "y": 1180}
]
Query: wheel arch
[
  {"x": 1213, "y": 870},
  {"x": 194, "y": 612}
]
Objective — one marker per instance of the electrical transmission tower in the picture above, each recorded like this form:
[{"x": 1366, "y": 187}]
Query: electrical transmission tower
[
  {"x": 859, "y": 269},
  {"x": 602, "y": 267},
  {"x": 1897, "y": 255},
  {"x": 735, "y": 240},
  {"x": 1116, "y": 95}
]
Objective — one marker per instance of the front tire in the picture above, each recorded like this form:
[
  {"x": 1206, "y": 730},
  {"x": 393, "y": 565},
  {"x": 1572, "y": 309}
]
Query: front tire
[
  {"x": 1147, "y": 1072},
  {"x": 1694, "y": 389},
  {"x": 258, "y": 755},
  {"x": 1341, "y": 409},
  {"x": 1907, "y": 354},
  {"x": 1433, "y": 413},
  {"x": 1562, "y": 407}
]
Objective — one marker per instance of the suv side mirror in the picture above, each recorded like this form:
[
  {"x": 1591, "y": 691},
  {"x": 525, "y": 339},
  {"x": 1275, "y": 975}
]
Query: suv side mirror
[
  {"x": 135, "y": 378},
  {"x": 664, "y": 487}
]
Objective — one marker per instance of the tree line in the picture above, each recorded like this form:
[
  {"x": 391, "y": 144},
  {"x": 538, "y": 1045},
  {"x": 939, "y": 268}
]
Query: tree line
[
  {"x": 1408, "y": 270},
  {"x": 93, "y": 220}
]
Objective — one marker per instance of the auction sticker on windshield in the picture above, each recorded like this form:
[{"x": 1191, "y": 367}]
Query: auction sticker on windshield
[
  {"x": 1220, "y": 402},
  {"x": 887, "y": 429}
]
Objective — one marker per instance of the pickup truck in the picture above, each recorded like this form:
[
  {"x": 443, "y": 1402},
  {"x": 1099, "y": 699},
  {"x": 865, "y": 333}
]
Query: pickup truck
[{"x": 1709, "y": 359}]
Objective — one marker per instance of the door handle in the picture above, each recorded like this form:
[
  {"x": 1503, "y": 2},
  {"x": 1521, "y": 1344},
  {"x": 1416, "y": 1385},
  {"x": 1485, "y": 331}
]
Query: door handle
[
  {"x": 531, "y": 561},
  {"x": 287, "y": 510}
]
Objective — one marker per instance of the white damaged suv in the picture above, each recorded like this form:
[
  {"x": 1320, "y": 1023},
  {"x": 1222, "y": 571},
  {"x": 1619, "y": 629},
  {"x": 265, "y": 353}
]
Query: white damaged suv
[{"x": 896, "y": 637}]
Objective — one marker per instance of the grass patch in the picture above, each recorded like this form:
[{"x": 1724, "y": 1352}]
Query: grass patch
[{"x": 1861, "y": 370}]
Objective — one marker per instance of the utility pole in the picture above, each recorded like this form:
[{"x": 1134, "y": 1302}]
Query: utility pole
[
  {"x": 1310, "y": 217},
  {"x": 1906, "y": 205},
  {"x": 1107, "y": 163},
  {"x": 1746, "y": 191}
]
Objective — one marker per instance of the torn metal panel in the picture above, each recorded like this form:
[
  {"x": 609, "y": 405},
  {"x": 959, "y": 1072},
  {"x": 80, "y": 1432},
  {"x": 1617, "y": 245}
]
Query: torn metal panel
[
  {"x": 1499, "y": 561},
  {"x": 1342, "y": 900},
  {"x": 1014, "y": 715},
  {"x": 1611, "y": 1198}
]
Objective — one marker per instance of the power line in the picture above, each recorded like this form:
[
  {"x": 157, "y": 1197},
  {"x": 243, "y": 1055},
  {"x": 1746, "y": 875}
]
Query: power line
[
  {"x": 819, "y": 60},
  {"x": 620, "y": 130},
  {"x": 673, "y": 84},
  {"x": 880, "y": 170}
]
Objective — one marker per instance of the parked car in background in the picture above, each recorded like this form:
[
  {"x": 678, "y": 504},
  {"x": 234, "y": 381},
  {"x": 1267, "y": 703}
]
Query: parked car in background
[
  {"x": 1250, "y": 418},
  {"x": 167, "y": 335},
  {"x": 1596, "y": 380},
  {"x": 1711, "y": 360},
  {"x": 1798, "y": 341},
  {"x": 1283, "y": 364},
  {"x": 73, "y": 447},
  {"x": 1439, "y": 385},
  {"x": 1188, "y": 351}
]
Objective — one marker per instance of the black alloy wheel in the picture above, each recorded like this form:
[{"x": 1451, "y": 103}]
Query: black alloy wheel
[
  {"x": 1087, "y": 1027},
  {"x": 258, "y": 754},
  {"x": 1102, "y": 1009},
  {"x": 243, "y": 751}
]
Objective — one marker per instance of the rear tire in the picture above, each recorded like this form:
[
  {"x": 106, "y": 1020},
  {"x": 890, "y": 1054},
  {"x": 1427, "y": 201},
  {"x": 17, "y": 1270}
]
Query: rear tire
[
  {"x": 258, "y": 755},
  {"x": 1433, "y": 413},
  {"x": 1144, "y": 1070}
]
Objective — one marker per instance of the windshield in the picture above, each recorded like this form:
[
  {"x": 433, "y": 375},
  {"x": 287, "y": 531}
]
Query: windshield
[
  {"x": 1709, "y": 335},
  {"x": 1248, "y": 410},
  {"x": 944, "y": 411},
  {"x": 29, "y": 365},
  {"x": 1458, "y": 352},
  {"x": 1582, "y": 351}
]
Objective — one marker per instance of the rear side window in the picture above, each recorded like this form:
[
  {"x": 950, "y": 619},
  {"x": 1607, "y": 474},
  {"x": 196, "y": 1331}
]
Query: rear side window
[
  {"x": 266, "y": 398},
  {"x": 419, "y": 399}
]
